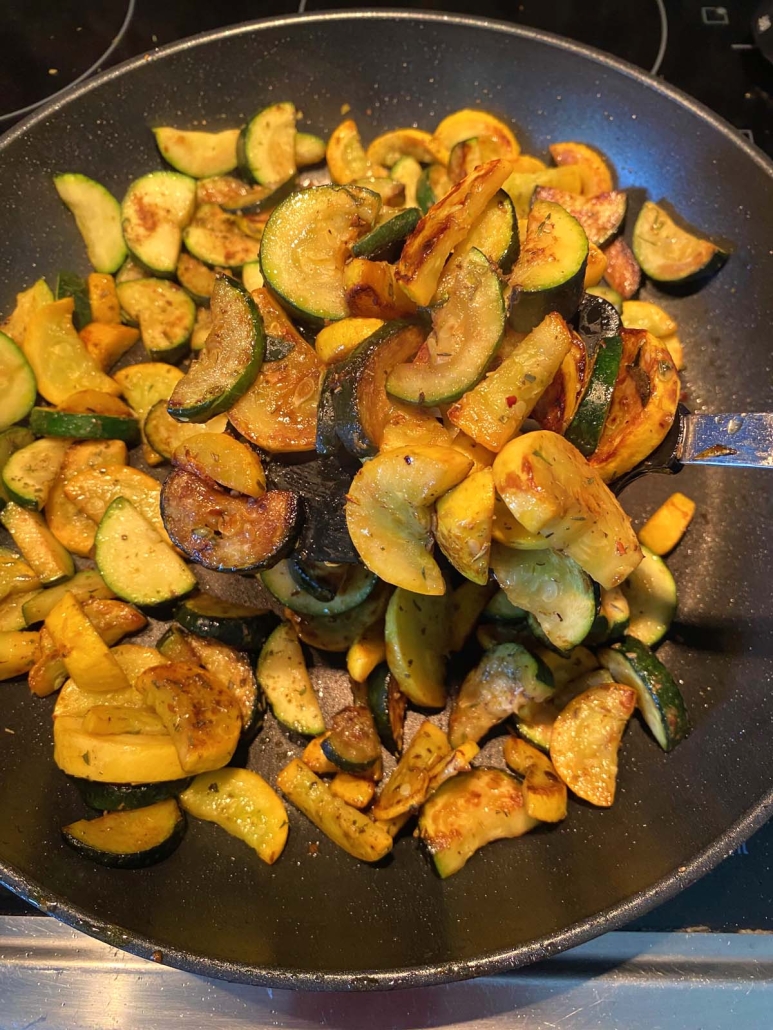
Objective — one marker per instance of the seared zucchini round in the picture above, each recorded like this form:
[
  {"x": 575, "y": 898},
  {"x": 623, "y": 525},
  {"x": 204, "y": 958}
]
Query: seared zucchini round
[
  {"x": 131, "y": 839},
  {"x": 115, "y": 797},
  {"x": 239, "y": 625},
  {"x": 387, "y": 704},
  {"x": 356, "y": 584}
]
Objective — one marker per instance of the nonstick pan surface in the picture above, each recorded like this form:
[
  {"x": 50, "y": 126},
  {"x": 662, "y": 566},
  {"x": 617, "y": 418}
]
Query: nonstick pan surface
[{"x": 324, "y": 920}]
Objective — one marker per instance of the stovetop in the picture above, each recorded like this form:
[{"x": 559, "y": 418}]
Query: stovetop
[{"x": 708, "y": 51}]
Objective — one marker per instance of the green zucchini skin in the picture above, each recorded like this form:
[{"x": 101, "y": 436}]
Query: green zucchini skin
[
  {"x": 586, "y": 427},
  {"x": 243, "y": 630},
  {"x": 310, "y": 577},
  {"x": 356, "y": 587},
  {"x": 355, "y": 388},
  {"x": 113, "y": 797},
  {"x": 659, "y": 698},
  {"x": 81, "y": 426},
  {"x": 68, "y": 284},
  {"x": 140, "y": 859},
  {"x": 352, "y": 743},
  {"x": 387, "y": 705},
  {"x": 652, "y": 598},
  {"x": 230, "y": 361},
  {"x": 383, "y": 242}
]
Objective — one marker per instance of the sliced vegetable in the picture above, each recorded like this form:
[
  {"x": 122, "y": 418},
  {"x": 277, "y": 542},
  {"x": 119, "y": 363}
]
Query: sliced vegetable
[
  {"x": 594, "y": 172},
  {"x": 244, "y": 805},
  {"x": 225, "y": 461},
  {"x": 116, "y": 797},
  {"x": 165, "y": 314},
  {"x": 337, "y": 340},
  {"x": 354, "y": 790},
  {"x": 198, "y": 154},
  {"x": 366, "y": 653},
  {"x": 305, "y": 245},
  {"x": 611, "y": 622},
  {"x": 266, "y": 146},
  {"x": 388, "y": 148},
  {"x": 387, "y": 704},
  {"x": 657, "y": 694},
  {"x": 586, "y": 738},
  {"x": 17, "y": 383},
  {"x": 113, "y": 758},
  {"x": 550, "y": 271},
  {"x": 444, "y": 227},
  {"x": 669, "y": 253},
  {"x": 134, "y": 560},
  {"x": 17, "y": 653},
  {"x": 495, "y": 233},
  {"x": 508, "y": 530},
  {"x": 503, "y": 682},
  {"x": 12, "y": 610},
  {"x": 384, "y": 240},
  {"x": 83, "y": 585},
  {"x": 108, "y": 343},
  {"x": 82, "y": 426},
  {"x": 585, "y": 430},
  {"x": 345, "y": 825},
  {"x": 11, "y": 440},
  {"x": 352, "y": 743},
  {"x": 165, "y": 434},
  {"x": 466, "y": 331},
  {"x": 388, "y": 513},
  {"x": 98, "y": 216},
  {"x": 543, "y": 792},
  {"x": 465, "y": 516},
  {"x": 238, "y": 625},
  {"x": 651, "y": 594},
  {"x": 283, "y": 676},
  {"x": 642, "y": 314},
  {"x": 201, "y": 715},
  {"x": 553, "y": 491},
  {"x": 155, "y": 210},
  {"x": 520, "y": 186},
  {"x": 70, "y": 285},
  {"x": 471, "y": 122},
  {"x": 30, "y": 472},
  {"x": 309, "y": 149},
  {"x": 622, "y": 272},
  {"x": 143, "y": 386},
  {"x": 345, "y": 155},
  {"x": 94, "y": 489},
  {"x": 416, "y": 637},
  {"x": 85, "y": 655},
  {"x": 372, "y": 291},
  {"x": 338, "y": 632},
  {"x": 225, "y": 532},
  {"x": 468, "y": 811},
  {"x": 431, "y": 186},
  {"x": 407, "y": 170},
  {"x": 497, "y": 407},
  {"x": 409, "y": 785},
  {"x": 600, "y": 215},
  {"x": 665, "y": 528},
  {"x": 129, "y": 840},
  {"x": 50, "y": 561},
  {"x": 218, "y": 238},
  {"x": 355, "y": 585}
]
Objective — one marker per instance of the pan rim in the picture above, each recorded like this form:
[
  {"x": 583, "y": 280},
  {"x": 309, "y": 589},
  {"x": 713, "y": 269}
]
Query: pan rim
[{"x": 502, "y": 960}]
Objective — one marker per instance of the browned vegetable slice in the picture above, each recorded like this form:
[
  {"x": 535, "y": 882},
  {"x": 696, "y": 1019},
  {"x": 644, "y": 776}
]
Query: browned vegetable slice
[
  {"x": 543, "y": 791},
  {"x": 372, "y": 291},
  {"x": 586, "y": 738},
  {"x": 600, "y": 215},
  {"x": 408, "y": 786},
  {"x": 594, "y": 171},
  {"x": 557, "y": 406},
  {"x": 622, "y": 272},
  {"x": 226, "y": 532}
]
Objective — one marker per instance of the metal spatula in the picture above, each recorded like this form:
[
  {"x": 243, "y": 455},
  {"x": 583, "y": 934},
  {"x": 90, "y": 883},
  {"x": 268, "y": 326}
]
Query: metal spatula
[{"x": 744, "y": 440}]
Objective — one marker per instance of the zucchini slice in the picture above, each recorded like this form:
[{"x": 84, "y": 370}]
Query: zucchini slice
[
  {"x": 497, "y": 407},
  {"x": 352, "y": 743},
  {"x": 623, "y": 272},
  {"x": 551, "y": 586},
  {"x": 266, "y": 146},
  {"x": 133, "y": 839},
  {"x": 134, "y": 560},
  {"x": 198, "y": 154},
  {"x": 98, "y": 216},
  {"x": 600, "y": 215},
  {"x": 651, "y": 594},
  {"x": 416, "y": 635},
  {"x": 388, "y": 148},
  {"x": 306, "y": 242},
  {"x": 58, "y": 357},
  {"x": 92, "y": 491},
  {"x": 224, "y": 532},
  {"x": 16, "y": 575},
  {"x": 357, "y": 386},
  {"x": 164, "y": 312},
  {"x": 234, "y": 671},
  {"x": 165, "y": 435},
  {"x": 495, "y": 233},
  {"x": 384, "y": 240},
  {"x": 586, "y": 738},
  {"x": 550, "y": 272},
  {"x": 552, "y": 490},
  {"x": 387, "y": 704},
  {"x": 70, "y": 285},
  {"x": 505, "y": 680},
  {"x": 117, "y": 797},
  {"x": 657, "y": 694},
  {"x": 608, "y": 294},
  {"x": 469, "y": 154},
  {"x": 50, "y": 561},
  {"x": 238, "y": 625},
  {"x": 244, "y": 805},
  {"x": 230, "y": 360},
  {"x": 309, "y": 149},
  {"x": 155, "y": 210},
  {"x": 612, "y": 620},
  {"x": 18, "y": 382},
  {"x": 200, "y": 714},
  {"x": 465, "y": 518},
  {"x": 81, "y": 426},
  {"x": 143, "y": 386},
  {"x": 543, "y": 792},
  {"x": 388, "y": 512},
  {"x": 283, "y": 676},
  {"x": 355, "y": 585},
  {"x": 197, "y": 278},
  {"x": 410, "y": 783},
  {"x": 347, "y": 827},
  {"x": 469, "y": 811},
  {"x": 12, "y": 611},
  {"x": 432, "y": 185},
  {"x": 339, "y": 632},
  {"x": 215, "y": 237},
  {"x": 466, "y": 331},
  {"x": 585, "y": 429},
  {"x": 444, "y": 227},
  {"x": 668, "y": 253},
  {"x": 500, "y": 609},
  {"x": 30, "y": 472},
  {"x": 11, "y": 441}
]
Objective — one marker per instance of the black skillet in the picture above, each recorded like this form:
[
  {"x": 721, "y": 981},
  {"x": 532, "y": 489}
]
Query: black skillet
[{"x": 327, "y": 921}]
